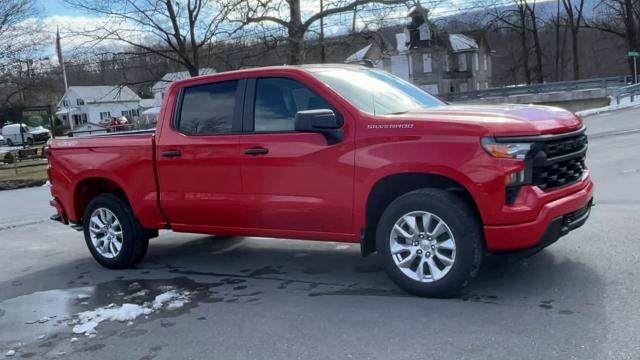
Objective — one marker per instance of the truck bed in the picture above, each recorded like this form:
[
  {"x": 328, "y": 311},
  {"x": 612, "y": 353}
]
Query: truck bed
[{"x": 126, "y": 159}]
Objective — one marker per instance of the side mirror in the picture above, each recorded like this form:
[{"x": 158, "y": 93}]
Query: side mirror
[{"x": 323, "y": 121}]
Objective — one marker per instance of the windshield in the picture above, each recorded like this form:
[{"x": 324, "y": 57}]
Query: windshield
[{"x": 376, "y": 91}]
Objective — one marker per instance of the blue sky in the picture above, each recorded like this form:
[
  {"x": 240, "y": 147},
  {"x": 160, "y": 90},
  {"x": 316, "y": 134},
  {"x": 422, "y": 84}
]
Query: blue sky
[{"x": 57, "y": 7}]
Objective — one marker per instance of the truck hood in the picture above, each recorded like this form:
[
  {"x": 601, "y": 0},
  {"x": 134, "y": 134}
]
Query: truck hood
[{"x": 504, "y": 120}]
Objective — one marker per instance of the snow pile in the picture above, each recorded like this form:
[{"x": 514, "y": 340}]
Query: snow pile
[
  {"x": 87, "y": 321},
  {"x": 624, "y": 104}
]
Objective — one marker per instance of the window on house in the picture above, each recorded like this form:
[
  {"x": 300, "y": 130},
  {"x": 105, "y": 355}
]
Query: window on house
[
  {"x": 486, "y": 84},
  {"x": 463, "y": 87},
  {"x": 79, "y": 102},
  {"x": 279, "y": 99},
  {"x": 105, "y": 115},
  {"x": 476, "y": 63},
  {"x": 65, "y": 103},
  {"x": 462, "y": 62},
  {"x": 130, "y": 114},
  {"x": 79, "y": 119},
  {"x": 208, "y": 109},
  {"x": 425, "y": 33},
  {"x": 427, "y": 63},
  {"x": 477, "y": 85}
]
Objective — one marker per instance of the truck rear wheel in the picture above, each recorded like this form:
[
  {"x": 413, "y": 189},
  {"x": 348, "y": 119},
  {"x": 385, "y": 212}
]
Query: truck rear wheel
[
  {"x": 430, "y": 242},
  {"x": 113, "y": 235}
]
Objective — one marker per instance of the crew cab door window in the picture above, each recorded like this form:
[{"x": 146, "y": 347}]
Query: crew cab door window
[
  {"x": 208, "y": 109},
  {"x": 278, "y": 100}
]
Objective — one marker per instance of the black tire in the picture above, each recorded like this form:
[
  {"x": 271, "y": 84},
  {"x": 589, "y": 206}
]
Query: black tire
[
  {"x": 9, "y": 142},
  {"x": 134, "y": 241},
  {"x": 464, "y": 226},
  {"x": 142, "y": 250},
  {"x": 30, "y": 141}
]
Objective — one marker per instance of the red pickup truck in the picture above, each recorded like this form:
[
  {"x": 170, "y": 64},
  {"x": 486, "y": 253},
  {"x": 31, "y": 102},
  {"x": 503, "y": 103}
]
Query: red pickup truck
[{"x": 333, "y": 153}]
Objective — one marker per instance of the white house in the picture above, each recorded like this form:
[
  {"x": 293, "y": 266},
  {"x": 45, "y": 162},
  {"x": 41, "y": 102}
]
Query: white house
[
  {"x": 88, "y": 129},
  {"x": 82, "y": 104},
  {"x": 159, "y": 87}
]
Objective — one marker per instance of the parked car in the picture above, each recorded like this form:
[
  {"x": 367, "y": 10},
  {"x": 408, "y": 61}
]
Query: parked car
[
  {"x": 2, "y": 140},
  {"x": 332, "y": 153},
  {"x": 114, "y": 121},
  {"x": 31, "y": 135}
]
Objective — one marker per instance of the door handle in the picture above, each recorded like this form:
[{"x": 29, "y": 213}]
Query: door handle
[
  {"x": 256, "y": 151},
  {"x": 170, "y": 153}
]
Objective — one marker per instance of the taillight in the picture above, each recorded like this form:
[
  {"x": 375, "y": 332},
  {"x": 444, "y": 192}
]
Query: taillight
[{"x": 47, "y": 151}]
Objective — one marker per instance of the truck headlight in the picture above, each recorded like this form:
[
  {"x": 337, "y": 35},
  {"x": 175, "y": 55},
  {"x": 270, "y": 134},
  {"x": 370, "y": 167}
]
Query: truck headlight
[{"x": 505, "y": 150}]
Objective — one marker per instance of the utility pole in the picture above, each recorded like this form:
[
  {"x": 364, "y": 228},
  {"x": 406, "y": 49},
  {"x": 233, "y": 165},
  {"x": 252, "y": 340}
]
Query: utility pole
[
  {"x": 353, "y": 24},
  {"x": 323, "y": 56}
]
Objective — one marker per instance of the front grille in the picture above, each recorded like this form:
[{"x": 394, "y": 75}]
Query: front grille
[
  {"x": 558, "y": 174},
  {"x": 559, "y": 160}
]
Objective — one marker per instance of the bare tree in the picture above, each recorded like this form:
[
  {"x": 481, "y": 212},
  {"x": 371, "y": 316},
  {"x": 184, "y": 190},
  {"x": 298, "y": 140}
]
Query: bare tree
[
  {"x": 531, "y": 10},
  {"x": 574, "y": 10},
  {"x": 289, "y": 15},
  {"x": 175, "y": 30},
  {"x": 513, "y": 18},
  {"x": 14, "y": 29},
  {"x": 620, "y": 18}
]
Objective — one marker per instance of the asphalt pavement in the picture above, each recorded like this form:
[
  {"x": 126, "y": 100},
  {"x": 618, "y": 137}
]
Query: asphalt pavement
[{"x": 257, "y": 298}]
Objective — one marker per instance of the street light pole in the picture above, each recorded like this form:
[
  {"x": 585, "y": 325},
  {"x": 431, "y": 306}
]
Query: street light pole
[{"x": 635, "y": 70}]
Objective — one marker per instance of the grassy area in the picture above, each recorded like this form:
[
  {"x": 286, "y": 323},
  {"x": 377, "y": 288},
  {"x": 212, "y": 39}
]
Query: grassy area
[{"x": 31, "y": 175}]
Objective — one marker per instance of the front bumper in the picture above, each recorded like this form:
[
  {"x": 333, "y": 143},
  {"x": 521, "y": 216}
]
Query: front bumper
[{"x": 555, "y": 219}]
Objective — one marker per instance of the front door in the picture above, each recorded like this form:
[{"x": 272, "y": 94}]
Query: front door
[
  {"x": 294, "y": 181},
  {"x": 198, "y": 158}
]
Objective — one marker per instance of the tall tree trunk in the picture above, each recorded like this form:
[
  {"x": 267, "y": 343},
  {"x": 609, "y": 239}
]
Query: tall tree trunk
[
  {"x": 525, "y": 56},
  {"x": 575, "y": 53},
  {"x": 557, "y": 69},
  {"x": 523, "y": 44},
  {"x": 296, "y": 34},
  {"x": 631, "y": 32},
  {"x": 538, "y": 50}
]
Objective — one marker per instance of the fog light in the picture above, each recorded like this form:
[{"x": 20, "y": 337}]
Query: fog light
[{"x": 516, "y": 178}]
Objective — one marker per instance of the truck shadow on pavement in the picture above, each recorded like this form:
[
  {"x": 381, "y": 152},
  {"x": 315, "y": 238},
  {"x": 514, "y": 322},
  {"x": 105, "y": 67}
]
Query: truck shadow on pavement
[{"x": 253, "y": 271}]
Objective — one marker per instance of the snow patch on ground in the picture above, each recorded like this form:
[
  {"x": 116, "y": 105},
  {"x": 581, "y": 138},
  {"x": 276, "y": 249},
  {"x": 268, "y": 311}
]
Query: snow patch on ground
[{"x": 86, "y": 322}]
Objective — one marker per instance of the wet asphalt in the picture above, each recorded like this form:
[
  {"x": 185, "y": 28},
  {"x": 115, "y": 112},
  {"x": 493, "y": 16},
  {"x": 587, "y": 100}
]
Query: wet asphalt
[{"x": 257, "y": 298}]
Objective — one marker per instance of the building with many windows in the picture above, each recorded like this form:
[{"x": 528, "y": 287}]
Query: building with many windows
[{"x": 437, "y": 61}]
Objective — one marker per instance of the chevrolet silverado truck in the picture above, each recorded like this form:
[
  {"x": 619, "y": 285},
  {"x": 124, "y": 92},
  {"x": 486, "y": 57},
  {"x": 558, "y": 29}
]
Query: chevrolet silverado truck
[{"x": 331, "y": 153}]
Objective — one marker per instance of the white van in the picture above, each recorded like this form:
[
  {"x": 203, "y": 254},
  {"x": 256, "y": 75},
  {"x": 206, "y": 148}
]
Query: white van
[{"x": 31, "y": 135}]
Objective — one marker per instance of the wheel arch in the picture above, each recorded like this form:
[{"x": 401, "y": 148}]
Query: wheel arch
[
  {"x": 90, "y": 187},
  {"x": 390, "y": 187}
]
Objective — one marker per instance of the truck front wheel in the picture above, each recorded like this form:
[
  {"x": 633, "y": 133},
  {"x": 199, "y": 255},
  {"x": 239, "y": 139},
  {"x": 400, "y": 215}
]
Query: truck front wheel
[
  {"x": 430, "y": 242},
  {"x": 113, "y": 235}
]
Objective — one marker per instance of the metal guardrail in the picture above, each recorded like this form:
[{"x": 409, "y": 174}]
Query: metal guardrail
[
  {"x": 630, "y": 91},
  {"x": 598, "y": 83}
]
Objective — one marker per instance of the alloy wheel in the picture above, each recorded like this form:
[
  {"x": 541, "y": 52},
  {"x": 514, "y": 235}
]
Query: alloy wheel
[
  {"x": 422, "y": 246},
  {"x": 105, "y": 232}
]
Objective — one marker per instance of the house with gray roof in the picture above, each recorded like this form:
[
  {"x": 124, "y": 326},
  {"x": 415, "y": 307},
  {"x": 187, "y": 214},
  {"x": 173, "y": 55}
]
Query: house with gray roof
[
  {"x": 437, "y": 61},
  {"x": 91, "y": 104},
  {"x": 158, "y": 89}
]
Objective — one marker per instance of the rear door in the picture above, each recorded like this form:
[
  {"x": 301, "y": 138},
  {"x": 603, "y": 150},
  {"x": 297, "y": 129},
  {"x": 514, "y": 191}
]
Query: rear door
[
  {"x": 294, "y": 181},
  {"x": 198, "y": 157}
]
